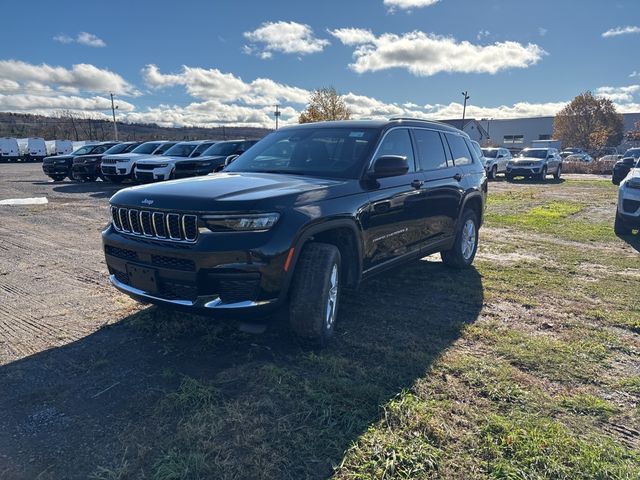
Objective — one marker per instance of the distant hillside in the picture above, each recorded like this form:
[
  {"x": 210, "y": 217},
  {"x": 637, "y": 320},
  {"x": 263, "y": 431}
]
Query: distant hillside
[{"x": 74, "y": 127}]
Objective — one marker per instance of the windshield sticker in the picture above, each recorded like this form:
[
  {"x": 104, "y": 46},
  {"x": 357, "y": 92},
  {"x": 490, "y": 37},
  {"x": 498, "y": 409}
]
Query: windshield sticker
[{"x": 356, "y": 134}]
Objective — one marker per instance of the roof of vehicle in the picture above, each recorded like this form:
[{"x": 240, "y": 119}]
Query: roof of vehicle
[
  {"x": 195, "y": 142},
  {"x": 416, "y": 122}
]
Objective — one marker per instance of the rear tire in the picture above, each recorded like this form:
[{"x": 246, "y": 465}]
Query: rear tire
[
  {"x": 465, "y": 246},
  {"x": 315, "y": 292},
  {"x": 619, "y": 227}
]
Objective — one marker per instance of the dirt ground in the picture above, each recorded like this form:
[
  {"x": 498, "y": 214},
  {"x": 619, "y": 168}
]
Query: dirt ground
[{"x": 80, "y": 377}]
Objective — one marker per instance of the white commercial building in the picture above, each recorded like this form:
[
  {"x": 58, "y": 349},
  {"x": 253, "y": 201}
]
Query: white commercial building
[{"x": 517, "y": 133}]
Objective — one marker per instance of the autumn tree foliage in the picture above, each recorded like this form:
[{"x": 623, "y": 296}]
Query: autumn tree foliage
[
  {"x": 589, "y": 122},
  {"x": 325, "y": 104}
]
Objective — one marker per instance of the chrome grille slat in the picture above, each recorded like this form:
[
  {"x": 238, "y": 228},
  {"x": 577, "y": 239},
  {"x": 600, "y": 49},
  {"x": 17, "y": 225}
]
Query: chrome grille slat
[{"x": 175, "y": 227}]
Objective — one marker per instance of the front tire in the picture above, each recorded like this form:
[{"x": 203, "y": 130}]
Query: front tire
[
  {"x": 57, "y": 178},
  {"x": 315, "y": 292},
  {"x": 543, "y": 174},
  {"x": 465, "y": 246},
  {"x": 558, "y": 173},
  {"x": 619, "y": 227},
  {"x": 493, "y": 173}
]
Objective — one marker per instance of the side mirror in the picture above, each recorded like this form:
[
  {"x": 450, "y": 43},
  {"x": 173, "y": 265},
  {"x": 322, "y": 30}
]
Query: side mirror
[
  {"x": 389, "y": 166},
  {"x": 230, "y": 159}
]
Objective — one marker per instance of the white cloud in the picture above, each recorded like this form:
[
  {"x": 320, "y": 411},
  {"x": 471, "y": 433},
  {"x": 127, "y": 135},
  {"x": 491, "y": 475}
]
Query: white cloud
[
  {"x": 614, "y": 32},
  {"x": 284, "y": 37},
  {"x": 62, "y": 38},
  {"x": 353, "y": 36},
  {"x": 83, "y": 76},
  {"x": 542, "y": 31},
  {"x": 425, "y": 54},
  {"x": 482, "y": 34},
  {"x": 212, "y": 84},
  {"x": 29, "y": 102},
  {"x": 89, "y": 39},
  {"x": 634, "y": 74},
  {"x": 83, "y": 38},
  {"x": 408, "y": 4},
  {"x": 618, "y": 94}
]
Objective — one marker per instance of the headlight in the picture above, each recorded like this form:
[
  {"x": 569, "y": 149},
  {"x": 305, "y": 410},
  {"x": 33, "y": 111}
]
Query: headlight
[{"x": 241, "y": 223}]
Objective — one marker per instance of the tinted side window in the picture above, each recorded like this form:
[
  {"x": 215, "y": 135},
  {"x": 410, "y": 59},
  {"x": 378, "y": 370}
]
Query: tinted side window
[
  {"x": 398, "y": 142},
  {"x": 459, "y": 150},
  {"x": 431, "y": 154},
  {"x": 473, "y": 149}
]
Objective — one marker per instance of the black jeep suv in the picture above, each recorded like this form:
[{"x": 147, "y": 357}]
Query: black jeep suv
[
  {"x": 60, "y": 167},
  {"x": 306, "y": 211}
]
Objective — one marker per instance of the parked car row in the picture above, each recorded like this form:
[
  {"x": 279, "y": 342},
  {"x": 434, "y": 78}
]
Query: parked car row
[
  {"x": 143, "y": 162},
  {"x": 529, "y": 163}
]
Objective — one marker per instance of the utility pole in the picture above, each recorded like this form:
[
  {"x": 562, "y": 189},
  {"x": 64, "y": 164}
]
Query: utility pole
[
  {"x": 113, "y": 112},
  {"x": 464, "y": 108},
  {"x": 277, "y": 114}
]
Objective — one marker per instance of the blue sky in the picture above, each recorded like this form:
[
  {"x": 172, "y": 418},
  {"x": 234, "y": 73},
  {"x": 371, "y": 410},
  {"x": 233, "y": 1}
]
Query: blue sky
[{"x": 413, "y": 57}]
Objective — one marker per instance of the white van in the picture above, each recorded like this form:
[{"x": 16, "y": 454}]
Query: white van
[
  {"x": 62, "y": 147},
  {"x": 36, "y": 150},
  {"x": 9, "y": 150}
]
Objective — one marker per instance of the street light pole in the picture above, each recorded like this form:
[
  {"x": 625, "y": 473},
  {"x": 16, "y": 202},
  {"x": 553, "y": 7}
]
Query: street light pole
[
  {"x": 277, "y": 114},
  {"x": 113, "y": 112},
  {"x": 464, "y": 108}
]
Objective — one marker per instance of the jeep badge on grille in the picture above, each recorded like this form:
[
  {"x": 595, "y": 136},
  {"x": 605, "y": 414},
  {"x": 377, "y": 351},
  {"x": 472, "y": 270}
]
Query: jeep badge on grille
[{"x": 146, "y": 201}]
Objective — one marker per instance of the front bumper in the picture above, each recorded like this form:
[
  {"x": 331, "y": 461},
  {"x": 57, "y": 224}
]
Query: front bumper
[
  {"x": 56, "y": 169},
  {"x": 86, "y": 169},
  {"x": 515, "y": 169},
  {"x": 155, "y": 175},
  {"x": 201, "y": 277},
  {"x": 116, "y": 170}
]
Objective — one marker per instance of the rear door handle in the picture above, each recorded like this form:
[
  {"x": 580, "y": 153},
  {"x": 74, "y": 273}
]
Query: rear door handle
[
  {"x": 417, "y": 184},
  {"x": 457, "y": 176}
]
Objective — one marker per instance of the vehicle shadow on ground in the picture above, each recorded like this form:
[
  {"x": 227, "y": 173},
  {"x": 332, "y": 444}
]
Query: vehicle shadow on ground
[
  {"x": 632, "y": 240},
  {"x": 158, "y": 388},
  {"x": 94, "y": 189},
  {"x": 534, "y": 181}
]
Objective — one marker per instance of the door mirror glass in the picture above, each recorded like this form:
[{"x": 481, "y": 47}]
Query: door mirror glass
[{"x": 389, "y": 166}]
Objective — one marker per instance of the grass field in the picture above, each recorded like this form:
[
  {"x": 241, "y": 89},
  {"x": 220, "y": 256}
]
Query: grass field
[{"x": 524, "y": 367}]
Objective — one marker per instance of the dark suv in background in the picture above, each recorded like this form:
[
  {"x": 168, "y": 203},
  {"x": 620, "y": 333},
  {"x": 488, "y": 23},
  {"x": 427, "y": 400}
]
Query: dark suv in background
[
  {"x": 307, "y": 211},
  {"x": 86, "y": 168},
  {"x": 623, "y": 166},
  {"x": 213, "y": 159},
  {"x": 60, "y": 167}
]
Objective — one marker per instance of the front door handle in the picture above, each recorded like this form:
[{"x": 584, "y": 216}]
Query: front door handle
[
  {"x": 457, "y": 176},
  {"x": 417, "y": 184}
]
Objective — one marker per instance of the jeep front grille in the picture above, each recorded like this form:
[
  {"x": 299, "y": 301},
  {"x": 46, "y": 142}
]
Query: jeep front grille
[{"x": 176, "y": 227}]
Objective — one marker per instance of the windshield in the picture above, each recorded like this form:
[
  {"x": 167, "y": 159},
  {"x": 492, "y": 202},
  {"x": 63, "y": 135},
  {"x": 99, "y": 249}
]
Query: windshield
[
  {"x": 535, "y": 153},
  {"x": 163, "y": 148},
  {"x": 322, "y": 152},
  {"x": 632, "y": 152},
  {"x": 181, "y": 150},
  {"x": 146, "y": 148},
  {"x": 84, "y": 150},
  {"x": 223, "y": 148},
  {"x": 490, "y": 153},
  {"x": 121, "y": 148}
]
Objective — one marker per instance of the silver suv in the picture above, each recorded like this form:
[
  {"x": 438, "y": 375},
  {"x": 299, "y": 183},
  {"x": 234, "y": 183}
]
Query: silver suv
[
  {"x": 496, "y": 161},
  {"x": 628, "y": 212},
  {"x": 535, "y": 163}
]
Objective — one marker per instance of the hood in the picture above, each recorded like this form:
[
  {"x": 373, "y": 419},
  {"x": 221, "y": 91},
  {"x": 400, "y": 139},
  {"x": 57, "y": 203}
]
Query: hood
[
  {"x": 152, "y": 159},
  {"x": 53, "y": 158},
  {"x": 208, "y": 158},
  {"x": 125, "y": 156},
  {"x": 83, "y": 158},
  {"x": 237, "y": 192},
  {"x": 527, "y": 159}
]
